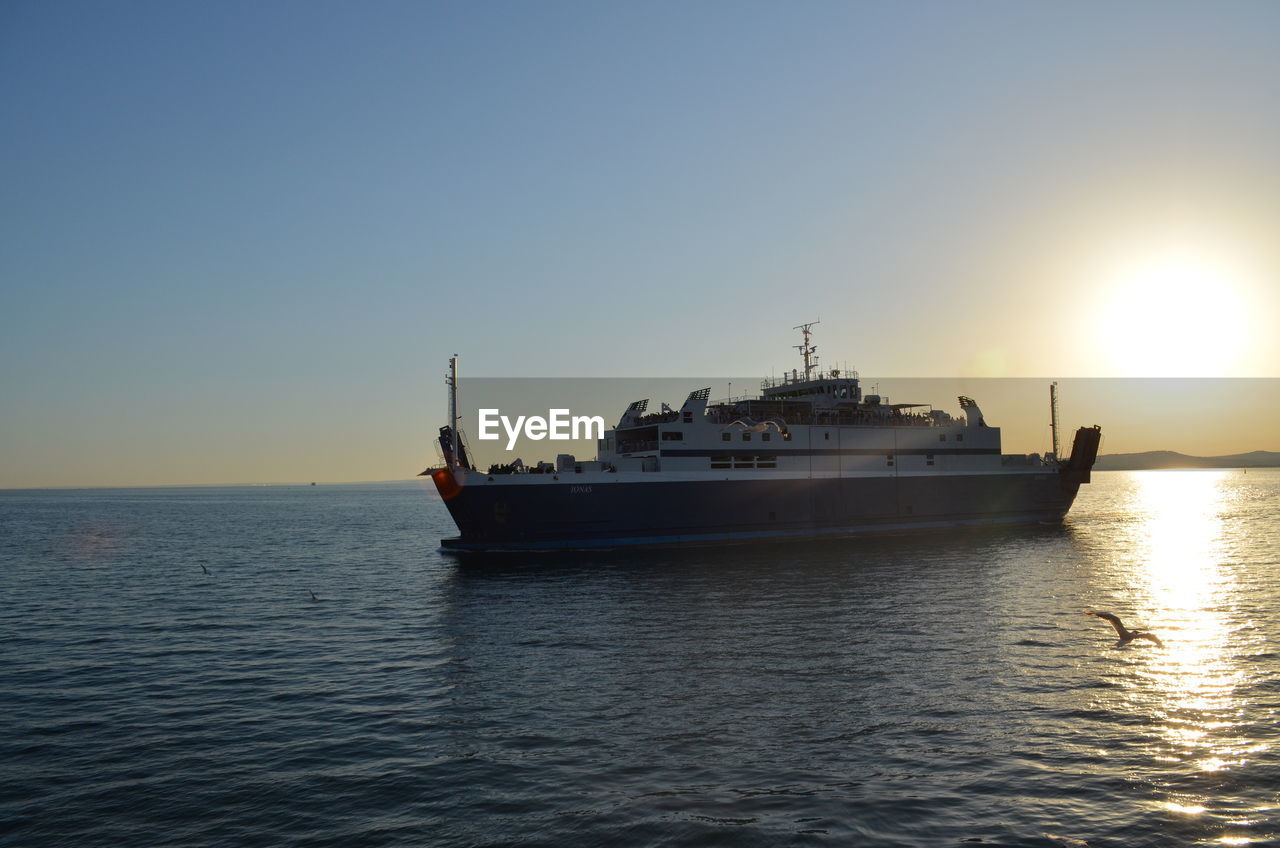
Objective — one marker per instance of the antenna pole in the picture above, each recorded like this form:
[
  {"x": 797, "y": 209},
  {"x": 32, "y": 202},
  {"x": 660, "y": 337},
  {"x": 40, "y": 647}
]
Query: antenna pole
[
  {"x": 807, "y": 350},
  {"x": 1053, "y": 416}
]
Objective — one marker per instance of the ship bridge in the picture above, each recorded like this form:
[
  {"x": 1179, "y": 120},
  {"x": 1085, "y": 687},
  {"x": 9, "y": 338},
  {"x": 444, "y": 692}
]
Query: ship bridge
[
  {"x": 827, "y": 389},
  {"x": 822, "y": 390}
]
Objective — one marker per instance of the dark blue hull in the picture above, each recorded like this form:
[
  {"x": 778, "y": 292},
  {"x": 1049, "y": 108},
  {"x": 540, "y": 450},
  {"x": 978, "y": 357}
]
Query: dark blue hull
[{"x": 579, "y": 515}]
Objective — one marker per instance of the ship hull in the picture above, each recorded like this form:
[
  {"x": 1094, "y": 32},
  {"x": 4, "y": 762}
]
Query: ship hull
[{"x": 602, "y": 512}]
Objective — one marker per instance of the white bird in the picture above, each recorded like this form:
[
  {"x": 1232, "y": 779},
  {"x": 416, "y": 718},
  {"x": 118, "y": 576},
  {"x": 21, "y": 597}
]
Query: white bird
[{"x": 1126, "y": 635}]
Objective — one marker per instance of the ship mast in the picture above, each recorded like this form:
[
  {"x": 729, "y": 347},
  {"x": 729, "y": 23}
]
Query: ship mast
[
  {"x": 1053, "y": 415},
  {"x": 452, "y": 381},
  {"x": 807, "y": 350}
]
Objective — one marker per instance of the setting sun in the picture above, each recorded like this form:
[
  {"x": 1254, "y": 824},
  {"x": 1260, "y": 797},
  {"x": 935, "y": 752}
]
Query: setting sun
[{"x": 1178, "y": 315}]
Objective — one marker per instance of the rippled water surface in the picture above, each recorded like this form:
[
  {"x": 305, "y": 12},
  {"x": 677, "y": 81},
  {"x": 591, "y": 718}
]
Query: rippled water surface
[{"x": 915, "y": 690}]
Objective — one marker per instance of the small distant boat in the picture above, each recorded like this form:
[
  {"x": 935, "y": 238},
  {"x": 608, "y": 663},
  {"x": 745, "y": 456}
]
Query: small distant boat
[{"x": 810, "y": 456}]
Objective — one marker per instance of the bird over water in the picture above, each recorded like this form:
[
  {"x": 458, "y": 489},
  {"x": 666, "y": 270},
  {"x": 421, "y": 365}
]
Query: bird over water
[{"x": 1126, "y": 635}]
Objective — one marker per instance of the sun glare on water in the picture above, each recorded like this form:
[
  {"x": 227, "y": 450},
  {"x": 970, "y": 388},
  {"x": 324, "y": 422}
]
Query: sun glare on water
[
  {"x": 1179, "y": 315},
  {"x": 1194, "y": 686}
]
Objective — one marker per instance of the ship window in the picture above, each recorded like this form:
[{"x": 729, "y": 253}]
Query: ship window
[
  {"x": 959, "y": 437},
  {"x": 719, "y": 462},
  {"x": 744, "y": 462},
  {"x": 929, "y": 459},
  {"x": 889, "y": 459},
  {"x": 766, "y": 462},
  {"x": 826, "y": 437},
  {"x": 688, "y": 418},
  {"x": 746, "y": 437},
  {"x": 764, "y": 437},
  {"x": 673, "y": 436},
  {"x": 724, "y": 437},
  {"x": 942, "y": 437}
]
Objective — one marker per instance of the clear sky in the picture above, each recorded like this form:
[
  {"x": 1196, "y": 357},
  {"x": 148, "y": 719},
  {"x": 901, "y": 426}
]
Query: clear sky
[{"x": 238, "y": 241}]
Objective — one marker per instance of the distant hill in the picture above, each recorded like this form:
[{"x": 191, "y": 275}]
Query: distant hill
[{"x": 1170, "y": 459}]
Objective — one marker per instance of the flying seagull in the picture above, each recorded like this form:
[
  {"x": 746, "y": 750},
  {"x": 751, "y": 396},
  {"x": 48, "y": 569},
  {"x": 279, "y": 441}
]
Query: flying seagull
[{"x": 1126, "y": 635}]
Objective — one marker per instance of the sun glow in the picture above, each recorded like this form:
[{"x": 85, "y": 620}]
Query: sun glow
[{"x": 1179, "y": 315}]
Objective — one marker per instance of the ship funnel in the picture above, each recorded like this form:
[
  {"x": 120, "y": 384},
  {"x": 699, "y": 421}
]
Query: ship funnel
[
  {"x": 972, "y": 412},
  {"x": 633, "y": 413},
  {"x": 695, "y": 406}
]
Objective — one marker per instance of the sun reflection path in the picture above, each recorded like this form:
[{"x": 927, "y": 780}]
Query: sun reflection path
[{"x": 1183, "y": 578}]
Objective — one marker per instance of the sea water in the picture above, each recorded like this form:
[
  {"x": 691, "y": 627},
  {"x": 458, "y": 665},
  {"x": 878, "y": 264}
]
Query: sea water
[{"x": 302, "y": 666}]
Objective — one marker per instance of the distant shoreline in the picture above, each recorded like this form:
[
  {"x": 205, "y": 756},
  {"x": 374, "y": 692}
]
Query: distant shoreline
[
  {"x": 1158, "y": 460},
  {"x": 1147, "y": 461}
]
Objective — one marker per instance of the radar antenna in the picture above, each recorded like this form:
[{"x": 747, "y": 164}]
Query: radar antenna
[{"x": 808, "y": 351}]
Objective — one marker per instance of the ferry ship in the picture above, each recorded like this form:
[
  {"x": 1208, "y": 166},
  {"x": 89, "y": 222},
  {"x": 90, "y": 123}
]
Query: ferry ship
[{"x": 809, "y": 456}]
